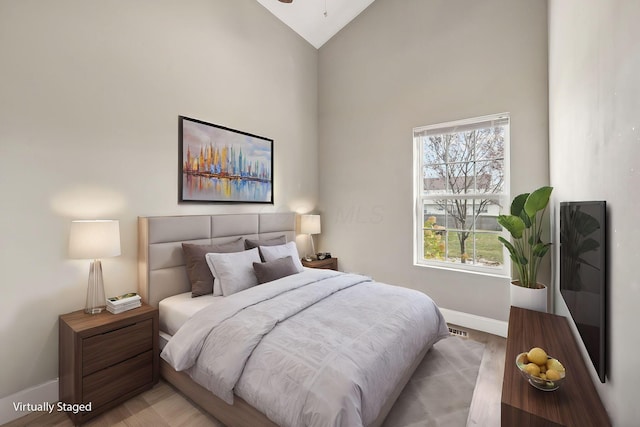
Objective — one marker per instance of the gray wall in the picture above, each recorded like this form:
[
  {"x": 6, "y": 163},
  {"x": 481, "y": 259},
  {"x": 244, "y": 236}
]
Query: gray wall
[
  {"x": 405, "y": 64},
  {"x": 90, "y": 93},
  {"x": 594, "y": 114}
]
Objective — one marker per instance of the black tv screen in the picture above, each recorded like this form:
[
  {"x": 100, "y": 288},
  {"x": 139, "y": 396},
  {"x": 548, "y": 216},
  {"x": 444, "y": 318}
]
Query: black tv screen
[{"x": 583, "y": 279}]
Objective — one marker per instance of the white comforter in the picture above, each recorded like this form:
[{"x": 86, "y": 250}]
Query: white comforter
[{"x": 319, "y": 348}]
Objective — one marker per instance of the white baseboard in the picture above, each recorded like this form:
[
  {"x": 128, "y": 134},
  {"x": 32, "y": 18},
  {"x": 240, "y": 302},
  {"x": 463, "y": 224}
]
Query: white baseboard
[
  {"x": 479, "y": 323},
  {"x": 37, "y": 395}
]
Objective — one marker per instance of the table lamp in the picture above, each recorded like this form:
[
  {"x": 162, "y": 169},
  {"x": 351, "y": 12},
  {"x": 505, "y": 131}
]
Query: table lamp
[
  {"x": 310, "y": 224},
  {"x": 94, "y": 239}
]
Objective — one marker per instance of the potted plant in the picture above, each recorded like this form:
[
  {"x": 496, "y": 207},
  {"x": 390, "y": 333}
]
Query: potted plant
[{"x": 527, "y": 249}]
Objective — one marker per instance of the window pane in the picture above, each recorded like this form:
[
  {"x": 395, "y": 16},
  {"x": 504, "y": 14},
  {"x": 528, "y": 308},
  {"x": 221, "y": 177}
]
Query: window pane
[
  {"x": 488, "y": 250},
  {"x": 434, "y": 149},
  {"x": 490, "y": 143},
  {"x": 481, "y": 249},
  {"x": 434, "y": 214},
  {"x": 459, "y": 214},
  {"x": 458, "y": 148},
  {"x": 486, "y": 215},
  {"x": 490, "y": 177},
  {"x": 460, "y": 247},
  {"x": 461, "y": 177},
  {"x": 435, "y": 244},
  {"x": 434, "y": 233},
  {"x": 433, "y": 180}
]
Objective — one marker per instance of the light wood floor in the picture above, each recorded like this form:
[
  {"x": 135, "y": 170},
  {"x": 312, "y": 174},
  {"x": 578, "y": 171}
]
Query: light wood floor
[
  {"x": 485, "y": 406},
  {"x": 164, "y": 406}
]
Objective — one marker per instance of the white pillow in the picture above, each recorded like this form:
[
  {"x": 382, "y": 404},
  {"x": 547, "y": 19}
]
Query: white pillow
[
  {"x": 272, "y": 253},
  {"x": 234, "y": 271}
]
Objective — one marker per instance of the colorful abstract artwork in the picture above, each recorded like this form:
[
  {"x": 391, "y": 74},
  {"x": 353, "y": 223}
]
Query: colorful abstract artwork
[{"x": 218, "y": 164}]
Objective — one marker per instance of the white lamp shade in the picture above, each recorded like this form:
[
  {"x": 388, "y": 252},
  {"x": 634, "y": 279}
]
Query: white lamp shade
[
  {"x": 94, "y": 239},
  {"x": 310, "y": 224}
]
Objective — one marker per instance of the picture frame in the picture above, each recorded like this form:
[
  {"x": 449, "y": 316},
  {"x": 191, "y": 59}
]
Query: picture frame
[{"x": 218, "y": 164}]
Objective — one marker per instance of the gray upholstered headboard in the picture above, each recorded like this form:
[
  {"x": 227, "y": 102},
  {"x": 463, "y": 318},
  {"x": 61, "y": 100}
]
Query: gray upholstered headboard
[{"x": 161, "y": 266}]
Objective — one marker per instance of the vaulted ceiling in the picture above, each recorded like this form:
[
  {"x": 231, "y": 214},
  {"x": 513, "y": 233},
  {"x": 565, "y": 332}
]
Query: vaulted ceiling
[{"x": 316, "y": 20}]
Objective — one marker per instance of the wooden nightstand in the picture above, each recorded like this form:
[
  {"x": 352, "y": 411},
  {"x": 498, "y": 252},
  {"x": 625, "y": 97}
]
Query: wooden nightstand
[
  {"x": 328, "y": 263},
  {"x": 105, "y": 359}
]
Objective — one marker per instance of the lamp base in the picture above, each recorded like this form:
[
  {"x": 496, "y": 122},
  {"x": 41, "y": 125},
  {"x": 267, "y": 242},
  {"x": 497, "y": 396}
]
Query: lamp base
[
  {"x": 311, "y": 257},
  {"x": 96, "y": 301}
]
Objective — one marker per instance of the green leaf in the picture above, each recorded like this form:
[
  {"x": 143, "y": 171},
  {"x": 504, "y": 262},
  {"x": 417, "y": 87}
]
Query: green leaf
[
  {"x": 517, "y": 209},
  {"x": 513, "y": 224},
  {"x": 541, "y": 249},
  {"x": 508, "y": 245},
  {"x": 517, "y": 206},
  {"x": 537, "y": 201}
]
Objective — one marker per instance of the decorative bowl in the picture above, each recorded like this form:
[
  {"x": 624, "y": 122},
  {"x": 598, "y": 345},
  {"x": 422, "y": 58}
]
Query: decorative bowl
[{"x": 537, "y": 382}]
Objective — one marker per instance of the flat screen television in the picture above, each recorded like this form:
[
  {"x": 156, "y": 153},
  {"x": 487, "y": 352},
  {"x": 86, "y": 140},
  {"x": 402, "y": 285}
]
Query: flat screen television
[{"x": 583, "y": 274}]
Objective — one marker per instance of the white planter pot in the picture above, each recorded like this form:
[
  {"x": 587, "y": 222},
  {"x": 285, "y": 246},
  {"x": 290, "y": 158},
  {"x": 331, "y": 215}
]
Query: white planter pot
[{"x": 532, "y": 299}]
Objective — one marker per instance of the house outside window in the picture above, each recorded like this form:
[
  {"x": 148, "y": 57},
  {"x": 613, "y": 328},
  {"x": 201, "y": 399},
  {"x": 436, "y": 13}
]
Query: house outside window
[{"x": 461, "y": 186}]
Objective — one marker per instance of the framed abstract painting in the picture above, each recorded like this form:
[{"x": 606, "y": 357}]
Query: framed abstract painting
[{"x": 222, "y": 165}]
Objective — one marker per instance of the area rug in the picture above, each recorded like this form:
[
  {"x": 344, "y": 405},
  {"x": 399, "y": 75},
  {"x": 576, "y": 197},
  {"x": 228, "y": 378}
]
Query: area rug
[{"x": 439, "y": 393}]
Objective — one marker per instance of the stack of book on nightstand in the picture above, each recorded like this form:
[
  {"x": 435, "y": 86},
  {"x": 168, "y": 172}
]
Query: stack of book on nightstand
[{"x": 123, "y": 302}]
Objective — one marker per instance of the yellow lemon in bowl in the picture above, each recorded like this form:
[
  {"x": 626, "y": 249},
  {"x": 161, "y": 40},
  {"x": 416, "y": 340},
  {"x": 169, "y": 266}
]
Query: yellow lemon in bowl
[
  {"x": 537, "y": 355},
  {"x": 553, "y": 375},
  {"x": 532, "y": 369},
  {"x": 555, "y": 365}
]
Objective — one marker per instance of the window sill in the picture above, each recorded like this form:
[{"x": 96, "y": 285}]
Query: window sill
[{"x": 469, "y": 270}]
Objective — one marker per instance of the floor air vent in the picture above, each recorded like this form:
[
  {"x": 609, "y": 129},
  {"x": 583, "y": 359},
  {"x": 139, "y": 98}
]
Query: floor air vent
[{"x": 458, "y": 332}]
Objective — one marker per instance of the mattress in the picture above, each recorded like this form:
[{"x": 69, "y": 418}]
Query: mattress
[{"x": 176, "y": 310}]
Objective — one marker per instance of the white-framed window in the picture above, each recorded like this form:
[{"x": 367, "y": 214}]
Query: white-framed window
[{"x": 461, "y": 172}]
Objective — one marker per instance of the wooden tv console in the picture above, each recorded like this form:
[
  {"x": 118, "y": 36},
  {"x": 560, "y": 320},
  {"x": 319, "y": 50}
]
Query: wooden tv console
[{"x": 575, "y": 403}]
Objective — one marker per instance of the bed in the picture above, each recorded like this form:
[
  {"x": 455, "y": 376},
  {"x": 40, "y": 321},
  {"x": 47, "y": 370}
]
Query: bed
[{"x": 316, "y": 327}]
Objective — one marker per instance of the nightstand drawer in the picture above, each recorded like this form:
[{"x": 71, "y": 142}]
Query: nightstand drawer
[
  {"x": 327, "y": 263},
  {"x": 111, "y": 383},
  {"x": 104, "y": 350}
]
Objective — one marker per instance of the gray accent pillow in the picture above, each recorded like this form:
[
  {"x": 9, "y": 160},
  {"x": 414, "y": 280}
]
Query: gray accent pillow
[
  {"x": 250, "y": 244},
  {"x": 272, "y": 270},
  {"x": 197, "y": 268}
]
